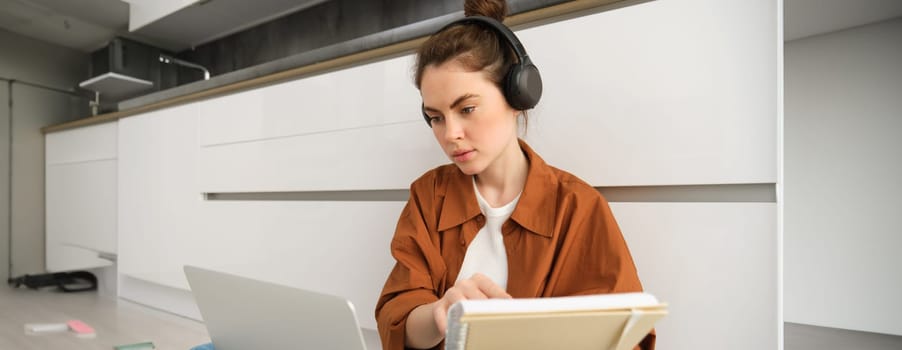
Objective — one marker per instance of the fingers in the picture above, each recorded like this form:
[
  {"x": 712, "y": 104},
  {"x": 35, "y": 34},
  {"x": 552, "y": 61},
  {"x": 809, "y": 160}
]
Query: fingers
[
  {"x": 488, "y": 287},
  {"x": 464, "y": 290},
  {"x": 453, "y": 295},
  {"x": 471, "y": 291},
  {"x": 477, "y": 287}
]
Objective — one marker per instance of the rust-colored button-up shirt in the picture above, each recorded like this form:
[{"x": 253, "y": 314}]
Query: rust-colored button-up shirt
[{"x": 561, "y": 240}]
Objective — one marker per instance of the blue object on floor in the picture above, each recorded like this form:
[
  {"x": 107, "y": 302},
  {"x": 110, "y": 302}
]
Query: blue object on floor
[{"x": 207, "y": 346}]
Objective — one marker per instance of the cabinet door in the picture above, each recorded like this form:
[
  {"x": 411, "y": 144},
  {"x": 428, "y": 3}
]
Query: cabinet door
[
  {"x": 81, "y": 184},
  {"x": 158, "y": 197}
]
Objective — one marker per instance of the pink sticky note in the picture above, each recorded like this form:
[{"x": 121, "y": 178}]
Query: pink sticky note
[{"x": 81, "y": 329}]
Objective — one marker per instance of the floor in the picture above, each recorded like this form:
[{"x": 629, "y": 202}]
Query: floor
[
  {"x": 805, "y": 337},
  {"x": 119, "y": 322},
  {"x": 116, "y": 322}
]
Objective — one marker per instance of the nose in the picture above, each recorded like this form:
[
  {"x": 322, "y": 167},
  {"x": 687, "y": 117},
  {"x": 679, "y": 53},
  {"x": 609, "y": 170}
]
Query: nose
[{"x": 453, "y": 129}]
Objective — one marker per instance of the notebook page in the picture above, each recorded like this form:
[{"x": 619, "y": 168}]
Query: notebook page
[{"x": 557, "y": 304}]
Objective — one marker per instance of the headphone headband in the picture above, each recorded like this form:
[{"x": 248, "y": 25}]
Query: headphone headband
[{"x": 522, "y": 83}]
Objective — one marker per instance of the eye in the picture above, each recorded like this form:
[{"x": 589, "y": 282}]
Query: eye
[
  {"x": 436, "y": 119},
  {"x": 468, "y": 109}
]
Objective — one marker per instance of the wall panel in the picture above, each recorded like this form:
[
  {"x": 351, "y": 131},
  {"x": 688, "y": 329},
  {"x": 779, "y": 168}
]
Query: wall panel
[{"x": 715, "y": 264}]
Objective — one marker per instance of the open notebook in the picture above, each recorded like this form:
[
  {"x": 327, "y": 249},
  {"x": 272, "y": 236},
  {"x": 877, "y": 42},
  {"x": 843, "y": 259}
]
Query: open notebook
[{"x": 609, "y": 321}]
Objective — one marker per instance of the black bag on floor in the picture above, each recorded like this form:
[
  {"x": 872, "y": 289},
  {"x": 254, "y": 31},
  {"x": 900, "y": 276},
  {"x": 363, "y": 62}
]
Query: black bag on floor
[{"x": 77, "y": 281}]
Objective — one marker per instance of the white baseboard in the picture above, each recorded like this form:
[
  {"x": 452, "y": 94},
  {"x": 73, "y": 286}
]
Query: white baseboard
[{"x": 172, "y": 300}]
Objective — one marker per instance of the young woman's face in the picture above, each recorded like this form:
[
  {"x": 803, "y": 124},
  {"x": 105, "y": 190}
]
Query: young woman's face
[{"x": 470, "y": 118}]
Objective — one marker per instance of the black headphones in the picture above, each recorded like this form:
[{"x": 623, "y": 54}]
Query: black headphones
[{"x": 522, "y": 85}]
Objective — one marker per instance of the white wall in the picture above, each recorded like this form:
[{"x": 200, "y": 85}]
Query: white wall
[
  {"x": 41, "y": 63},
  {"x": 33, "y": 108},
  {"x": 843, "y": 165}
]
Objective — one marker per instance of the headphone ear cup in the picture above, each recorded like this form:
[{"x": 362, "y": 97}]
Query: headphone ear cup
[{"x": 523, "y": 86}]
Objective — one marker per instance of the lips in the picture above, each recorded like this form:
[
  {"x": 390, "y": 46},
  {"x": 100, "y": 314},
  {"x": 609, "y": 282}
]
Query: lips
[{"x": 462, "y": 156}]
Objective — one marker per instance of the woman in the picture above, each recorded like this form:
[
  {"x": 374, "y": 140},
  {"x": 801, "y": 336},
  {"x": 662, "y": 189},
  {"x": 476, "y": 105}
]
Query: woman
[{"x": 498, "y": 222}]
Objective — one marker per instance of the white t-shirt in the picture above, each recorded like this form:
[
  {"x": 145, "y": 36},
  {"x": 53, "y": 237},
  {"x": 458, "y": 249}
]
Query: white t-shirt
[{"x": 486, "y": 253}]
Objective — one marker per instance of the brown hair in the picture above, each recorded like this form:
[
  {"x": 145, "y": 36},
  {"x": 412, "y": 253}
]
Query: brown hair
[{"x": 475, "y": 46}]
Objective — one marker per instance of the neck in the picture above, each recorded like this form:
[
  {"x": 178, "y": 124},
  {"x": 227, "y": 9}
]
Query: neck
[{"x": 501, "y": 182}]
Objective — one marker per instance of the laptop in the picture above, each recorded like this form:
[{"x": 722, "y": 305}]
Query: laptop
[{"x": 242, "y": 313}]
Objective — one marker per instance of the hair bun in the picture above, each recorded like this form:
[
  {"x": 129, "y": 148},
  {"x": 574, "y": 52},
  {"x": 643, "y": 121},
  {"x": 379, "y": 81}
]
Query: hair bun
[{"x": 496, "y": 9}]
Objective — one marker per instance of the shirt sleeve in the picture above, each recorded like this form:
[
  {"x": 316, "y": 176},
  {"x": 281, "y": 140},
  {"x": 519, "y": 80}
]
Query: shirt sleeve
[
  {"x": 412, "y": 281},
  {"x": 597, "y": 259}
]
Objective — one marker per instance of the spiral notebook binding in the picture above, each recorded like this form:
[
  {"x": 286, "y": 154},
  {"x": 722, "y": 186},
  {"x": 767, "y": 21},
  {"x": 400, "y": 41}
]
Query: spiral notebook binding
[{"x": 456, "y": 338}]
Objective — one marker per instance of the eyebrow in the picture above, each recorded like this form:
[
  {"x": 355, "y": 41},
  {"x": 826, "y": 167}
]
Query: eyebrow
[{"x": 457, "y": 101}]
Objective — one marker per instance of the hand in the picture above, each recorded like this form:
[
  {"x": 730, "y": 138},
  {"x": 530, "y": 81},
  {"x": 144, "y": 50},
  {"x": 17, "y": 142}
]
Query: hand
[{"x": 477, "y": 287}]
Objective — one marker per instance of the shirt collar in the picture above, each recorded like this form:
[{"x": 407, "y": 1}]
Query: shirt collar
[{"x": 535, "y": 211}]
